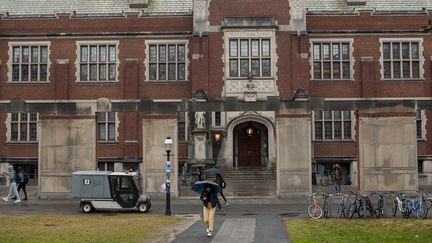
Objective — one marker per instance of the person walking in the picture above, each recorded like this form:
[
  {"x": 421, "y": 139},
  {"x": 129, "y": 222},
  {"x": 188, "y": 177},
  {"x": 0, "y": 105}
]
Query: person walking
[
  {"x": 13, "y": 188},
  {"x": 210, "y": 201},
  {"x": 222, "y": 184},
  {"x": 338, "y": 178},
  {"x": 23, "y": 180}
]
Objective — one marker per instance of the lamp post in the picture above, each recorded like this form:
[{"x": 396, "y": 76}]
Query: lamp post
[{"x": 168, "y": 148}]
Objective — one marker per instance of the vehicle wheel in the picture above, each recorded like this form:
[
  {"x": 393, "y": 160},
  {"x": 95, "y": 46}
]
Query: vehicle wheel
[
  {"x": 143, "y": 207},
  {"x": 87, "y": 207},
  {"x": 422, "y": 212},
  {"x": 315, "y": 211},
  {"x": 394, "y": 209},
  {"x": 324, "y": 180}
]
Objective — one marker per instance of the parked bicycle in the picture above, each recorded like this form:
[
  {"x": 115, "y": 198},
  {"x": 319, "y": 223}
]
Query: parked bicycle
[
  {"x": 314, "y": 210},
  {"x": 416, "y": 205},
  {"x": 327, "y": 178},
  {"x": 190, "y": 178},
  {"x": 356, "y": 206},
  {"x": 380, "y": 208},
  {"x": 428, "y": 207},
  {"x": 343, "y": 208},
  {"x": 398, "y": 204},
  {"x": 326, "y": 205},
  {"x": 368, "y": 205}
]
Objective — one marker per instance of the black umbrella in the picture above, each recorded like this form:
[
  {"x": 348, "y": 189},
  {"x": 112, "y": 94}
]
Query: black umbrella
[{"x": 199, "y": 186}]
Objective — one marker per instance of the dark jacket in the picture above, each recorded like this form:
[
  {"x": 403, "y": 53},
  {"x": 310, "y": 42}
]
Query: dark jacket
[{"x": 211, "y": 197}]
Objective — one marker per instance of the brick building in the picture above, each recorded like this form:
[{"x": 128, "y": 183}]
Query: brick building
[{"x": 289, "y": 87}]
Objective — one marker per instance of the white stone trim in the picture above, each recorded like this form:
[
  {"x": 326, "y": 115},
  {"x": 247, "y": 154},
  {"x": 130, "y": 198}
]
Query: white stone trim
[
  {"x": 236, "y": 87},
  {"x": 332, "y": 40},
  {"x": 223, "y": 119},
  {"x": 78, "y": 60},
  {"x": 157, "y": 42},
  {"x": 9, "y": 128},
  {"x": 400, "y": 40},
  {"x": 27, "y": 43}
]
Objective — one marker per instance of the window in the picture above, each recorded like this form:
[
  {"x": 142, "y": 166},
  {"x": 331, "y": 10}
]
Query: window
[
  {"x": 401, "y": 59},
  {"x": 29, "y": 63},
  {"x": 217, "y": 119},
  {"x": 167, "y": 61},
  {"x": 331, "y": 60},
  {"x": 97, "y": 62},
  {"x": 181, "y": 119},
  {"x": 249, "y": 56},
  {"x": 106, "y": 166},
  {"x": 23, "y": 127},
  {"x": 419, "y": 124},
  {"x": 107, "y": 126},
  {"x": 332, "y": 125}
]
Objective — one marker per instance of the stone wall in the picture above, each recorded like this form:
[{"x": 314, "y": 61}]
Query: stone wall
[
  {"x": 294, "y": 155},
  {"x": 65, "y": 146},
  {"x": 154, "y": 156},
  {"x": 388, "y": 154}
]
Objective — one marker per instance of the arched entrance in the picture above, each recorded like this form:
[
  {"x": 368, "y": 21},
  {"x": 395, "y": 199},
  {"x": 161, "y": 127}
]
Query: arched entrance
[{"x": 250, "y": 145}]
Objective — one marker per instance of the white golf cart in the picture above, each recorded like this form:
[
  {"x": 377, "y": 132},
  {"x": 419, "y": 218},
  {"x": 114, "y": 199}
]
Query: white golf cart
[{"x": 109, "y": 190}]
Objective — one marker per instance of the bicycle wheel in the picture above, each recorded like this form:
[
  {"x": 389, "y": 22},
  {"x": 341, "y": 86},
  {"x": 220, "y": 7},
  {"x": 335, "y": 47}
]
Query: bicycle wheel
[
  {"x": 315, "y": 211},
  {"x": 422, "y": 212},
  {"x": 394, "y": 208},
  {"x": 342, "y": 212},
  {"x": 324, "y": 180},
  {"x": 361, "y": 211}
]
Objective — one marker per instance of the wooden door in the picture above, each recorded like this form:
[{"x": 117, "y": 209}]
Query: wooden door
[{"x": 249, "y": 150}]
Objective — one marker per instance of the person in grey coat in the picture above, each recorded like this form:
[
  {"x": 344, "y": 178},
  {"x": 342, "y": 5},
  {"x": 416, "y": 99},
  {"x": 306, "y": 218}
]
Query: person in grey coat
[{"x": 13, "y": 188}]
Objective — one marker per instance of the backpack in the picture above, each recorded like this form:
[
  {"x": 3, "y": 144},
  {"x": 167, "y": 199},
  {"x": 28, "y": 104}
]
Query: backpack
[{"x": 25, "y": 179}]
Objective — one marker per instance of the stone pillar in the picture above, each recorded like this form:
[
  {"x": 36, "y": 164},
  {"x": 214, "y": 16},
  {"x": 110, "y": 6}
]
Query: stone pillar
[
  {"x": 294, "y": 154},
  {"x": 65, "y": 145},
  {"x": 155, "y": 131},
  {"x": 354, "y": 173},
  {"x": 388, "y": 151}
]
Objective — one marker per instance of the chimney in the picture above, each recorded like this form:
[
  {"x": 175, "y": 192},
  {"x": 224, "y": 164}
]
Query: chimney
[{"x": 138, "y": 3}]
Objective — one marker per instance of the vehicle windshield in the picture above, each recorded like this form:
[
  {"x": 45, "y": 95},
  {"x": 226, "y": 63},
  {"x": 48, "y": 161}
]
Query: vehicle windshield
[{"x": 138, "y": 181}]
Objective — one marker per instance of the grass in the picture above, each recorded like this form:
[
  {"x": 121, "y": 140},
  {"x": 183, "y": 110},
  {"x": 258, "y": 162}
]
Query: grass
[
  {"x": 366, "y": 230},
  {"x": 99, "y": 227}
]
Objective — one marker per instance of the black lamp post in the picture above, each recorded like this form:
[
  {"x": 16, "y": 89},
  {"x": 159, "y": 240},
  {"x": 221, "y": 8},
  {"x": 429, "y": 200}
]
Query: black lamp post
[{"x": 168, "y": 148}]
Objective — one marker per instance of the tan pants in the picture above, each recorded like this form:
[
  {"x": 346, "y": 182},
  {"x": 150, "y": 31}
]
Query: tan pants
[{"x": 208, "y": 214}]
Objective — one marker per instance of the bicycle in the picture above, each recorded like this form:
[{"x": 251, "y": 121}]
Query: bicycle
[
  {"x": 368, "y": 205},
  {"x": 417, "y": 206},
  {"x": 380, "y": 208},
  {"x": 190, "y": 178},
  {"x": 343, "y": 210},
  {"x": 314, "y": 210},
  {"x": 398, "y": 204},
  {"x": 326, "y": 208},
  {"x": 428, "y": 207},
  {"x": 356, "y": 206},
  {"x": 327, "y": 177}
]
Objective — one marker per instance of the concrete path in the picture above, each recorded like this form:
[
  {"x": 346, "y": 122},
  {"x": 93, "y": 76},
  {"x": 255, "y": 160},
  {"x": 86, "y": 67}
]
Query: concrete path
[{"x": 260, "y": 228}]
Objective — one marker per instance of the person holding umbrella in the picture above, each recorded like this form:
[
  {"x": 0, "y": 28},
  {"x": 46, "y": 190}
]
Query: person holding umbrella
[
  {"x": 222, "y": 184},
  {"x": 209, "y": 191}
]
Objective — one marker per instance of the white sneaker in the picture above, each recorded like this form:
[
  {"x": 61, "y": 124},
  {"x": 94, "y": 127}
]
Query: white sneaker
[
  {"x": 226, "y": 204},
  {"x": 17, "y": 201},
  {"x": 5, "y": 199},
  {"x": 209, "y": 233}
]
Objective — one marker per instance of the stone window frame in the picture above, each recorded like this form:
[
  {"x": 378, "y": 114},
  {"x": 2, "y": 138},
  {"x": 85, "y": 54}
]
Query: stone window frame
[
  {"x": 107, "y": 122},
  {"x": 176, "y": 42},
  {"x": 28, "y": 121},
  {"x": 248, "y": 34},
  {"x": 421, "y": 121},
  {"x": 332, "y": 41},
  {"x": 333, "y": 139},
  {"x": 400, "y": 41},
  {"x": 222, "y": 120},
  {"x": 30, "y": 44},
  {"x": 97, "y": 62}
]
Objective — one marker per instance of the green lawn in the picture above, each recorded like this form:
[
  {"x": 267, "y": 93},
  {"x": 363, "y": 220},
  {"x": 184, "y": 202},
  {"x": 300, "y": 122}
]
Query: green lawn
[
  {"x": 99, "y": 227},
  {"x": 359, "y": 230}
]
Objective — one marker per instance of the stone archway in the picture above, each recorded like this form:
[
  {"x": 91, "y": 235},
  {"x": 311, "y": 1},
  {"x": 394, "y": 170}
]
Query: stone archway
[{"x": 267, "y": 148}]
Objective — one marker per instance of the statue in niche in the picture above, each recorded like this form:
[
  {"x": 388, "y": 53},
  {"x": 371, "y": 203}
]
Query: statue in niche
[{"x": 200, "y": 119}]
